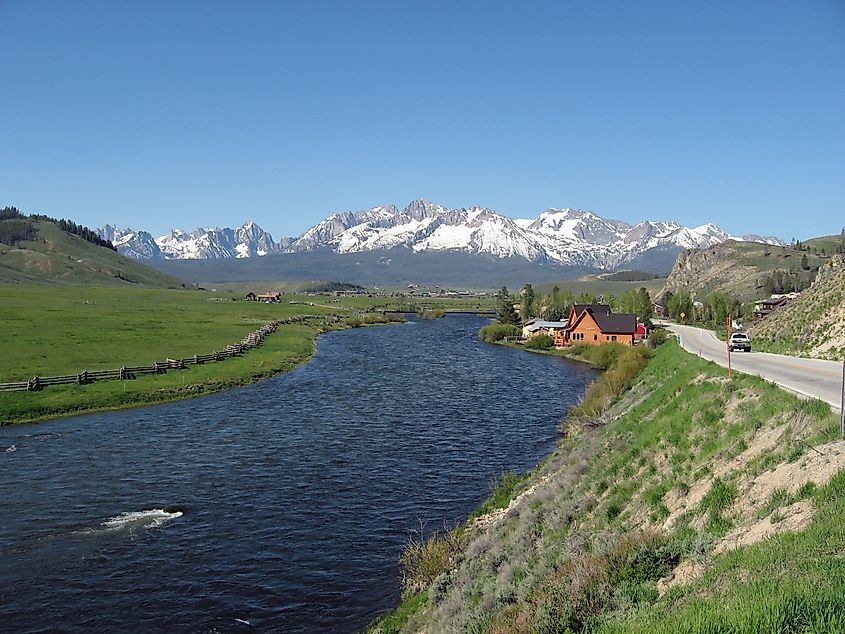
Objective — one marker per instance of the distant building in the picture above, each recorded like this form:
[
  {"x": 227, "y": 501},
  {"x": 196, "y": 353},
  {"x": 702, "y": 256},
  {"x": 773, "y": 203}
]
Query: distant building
[
  {"x": 595, "y": 324},
  {"x": 765, "y": 307},
  {"x": 250, "y": 297},
  {"x": 536, "y": 327},
  {"x": 269, "y": 297}
]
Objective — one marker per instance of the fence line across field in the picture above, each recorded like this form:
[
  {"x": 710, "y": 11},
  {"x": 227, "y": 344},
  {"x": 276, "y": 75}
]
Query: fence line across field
[{"x": 252, "y": 340}]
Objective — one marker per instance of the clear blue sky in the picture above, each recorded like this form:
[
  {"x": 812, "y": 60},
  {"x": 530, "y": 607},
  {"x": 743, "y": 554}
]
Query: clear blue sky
[{"x": 160, "y": 114}]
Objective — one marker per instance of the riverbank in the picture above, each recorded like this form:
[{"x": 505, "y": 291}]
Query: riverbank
[
  {"x": 51, "y": 331},
  {"x": 650, "y": 516}
]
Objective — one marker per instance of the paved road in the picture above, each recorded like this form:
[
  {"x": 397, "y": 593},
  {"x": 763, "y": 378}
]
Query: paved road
[{"x": 810, "y": 377}]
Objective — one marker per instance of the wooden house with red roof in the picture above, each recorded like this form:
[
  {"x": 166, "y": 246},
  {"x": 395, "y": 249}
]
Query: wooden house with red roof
[{"x": 595, "y": 324}]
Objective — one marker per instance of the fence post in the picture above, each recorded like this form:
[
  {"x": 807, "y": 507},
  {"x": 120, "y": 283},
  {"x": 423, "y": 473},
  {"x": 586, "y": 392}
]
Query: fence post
[
  {"x": 33, "y": 384},
  {"x": 122, "y": 373},
  {"x": 842, "y": 404}
]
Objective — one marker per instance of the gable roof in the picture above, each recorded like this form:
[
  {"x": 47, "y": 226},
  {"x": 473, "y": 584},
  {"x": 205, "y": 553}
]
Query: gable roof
[
  {"x": 620, "y": 323},
  {"x": 594, "y": 308}
]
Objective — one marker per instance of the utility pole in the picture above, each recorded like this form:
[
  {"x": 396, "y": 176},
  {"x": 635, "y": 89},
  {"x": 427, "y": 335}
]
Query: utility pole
[{"x": 729, "y": 347}]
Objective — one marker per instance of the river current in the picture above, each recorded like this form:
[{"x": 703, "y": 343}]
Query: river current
[{"x": 281, "y": 506}]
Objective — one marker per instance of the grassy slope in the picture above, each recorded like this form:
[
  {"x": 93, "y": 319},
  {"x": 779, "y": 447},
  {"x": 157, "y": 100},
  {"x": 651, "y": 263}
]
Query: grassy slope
[
  {"x": 585, "y": 548},
  {"x": 57, "y": 257},
  {"x": 598, "y": 287}
]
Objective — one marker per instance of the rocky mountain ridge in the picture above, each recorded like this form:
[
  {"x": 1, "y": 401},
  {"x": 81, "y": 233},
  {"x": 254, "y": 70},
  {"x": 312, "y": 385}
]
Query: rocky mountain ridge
[{"x": 571, "y": 237}]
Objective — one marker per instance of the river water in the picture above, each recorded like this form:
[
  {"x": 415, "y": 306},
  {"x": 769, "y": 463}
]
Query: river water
[{"x": 295, "y": 495}]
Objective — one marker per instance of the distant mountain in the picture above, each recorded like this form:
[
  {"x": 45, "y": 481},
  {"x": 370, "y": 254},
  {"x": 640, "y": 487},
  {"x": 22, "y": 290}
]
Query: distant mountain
[
  {"x": 573, "y": 237},
  {"x": 246, "y": 241},
  {"x": 567, "y": 237}
]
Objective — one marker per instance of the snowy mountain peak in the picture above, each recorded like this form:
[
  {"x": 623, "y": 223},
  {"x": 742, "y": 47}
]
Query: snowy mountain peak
[{"x": 576, "y": 237}]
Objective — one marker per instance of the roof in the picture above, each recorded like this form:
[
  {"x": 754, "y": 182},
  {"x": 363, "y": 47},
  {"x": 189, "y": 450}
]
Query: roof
[
  {"x": 618, "y": 323},
  {"x": 593, "y": 308},
  {"x": 537, "y": 324}
]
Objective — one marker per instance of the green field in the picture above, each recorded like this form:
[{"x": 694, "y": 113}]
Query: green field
[
  {"x": 599, "y": 287},
  {"x": 61, "y": 330}
]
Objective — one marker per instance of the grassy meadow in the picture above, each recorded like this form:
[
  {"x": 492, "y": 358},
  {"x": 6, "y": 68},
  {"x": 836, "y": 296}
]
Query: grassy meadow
[{"x": 60, "y": 330}]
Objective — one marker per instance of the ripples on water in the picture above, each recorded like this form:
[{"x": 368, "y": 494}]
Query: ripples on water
[{"x": 283, "y": 505}]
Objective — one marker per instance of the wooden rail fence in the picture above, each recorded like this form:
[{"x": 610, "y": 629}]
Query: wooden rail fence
[{"x": 252, "y": 340}]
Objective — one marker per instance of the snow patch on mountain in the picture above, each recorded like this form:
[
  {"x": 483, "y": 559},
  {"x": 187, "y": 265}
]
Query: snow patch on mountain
[{"x": 575, "y": 237}]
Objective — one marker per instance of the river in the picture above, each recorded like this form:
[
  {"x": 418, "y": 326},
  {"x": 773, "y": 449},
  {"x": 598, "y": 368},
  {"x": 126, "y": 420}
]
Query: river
[{"x": 295, "y": 495}]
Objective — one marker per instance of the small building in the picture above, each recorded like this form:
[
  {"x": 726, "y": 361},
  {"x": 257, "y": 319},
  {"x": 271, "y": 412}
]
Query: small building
[
  {"x": 594, "y": 324},
  {"x": 641, "y": 332},
  {"x": 765, "y": 307},
  {"x": 658, "y": 309},
  {"x": 536, "y": 327},
  {"x": 269, "y": 297},
  {"x": 250, "y": 297}
]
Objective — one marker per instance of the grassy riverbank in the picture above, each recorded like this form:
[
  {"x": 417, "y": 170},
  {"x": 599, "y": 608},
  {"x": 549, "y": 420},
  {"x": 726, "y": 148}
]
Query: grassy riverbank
[
  {"x": 50, "y": 331},
  {"x": 685, "y": 504}
]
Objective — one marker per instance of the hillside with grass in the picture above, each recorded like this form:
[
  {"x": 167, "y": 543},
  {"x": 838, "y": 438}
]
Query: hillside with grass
[
  {"x": 676, "y": 501},
  {"x": 813, "y": 324},
  {"x": 40, "y": 251},
  {"x": 746, "y": 270}
]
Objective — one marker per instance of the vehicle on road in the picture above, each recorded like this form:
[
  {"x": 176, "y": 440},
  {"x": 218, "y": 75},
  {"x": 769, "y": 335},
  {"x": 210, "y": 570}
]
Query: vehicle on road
[{"x": 739, "y": 341}]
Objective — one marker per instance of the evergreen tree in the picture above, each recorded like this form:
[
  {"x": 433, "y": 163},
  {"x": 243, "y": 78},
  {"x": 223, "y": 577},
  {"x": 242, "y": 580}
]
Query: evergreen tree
[
  {"x": 505, "y": 314},
  {"x": 528, "y": 303}
]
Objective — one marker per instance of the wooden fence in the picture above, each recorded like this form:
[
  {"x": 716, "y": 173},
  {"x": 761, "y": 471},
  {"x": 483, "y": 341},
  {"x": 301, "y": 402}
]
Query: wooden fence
[{"x": 252, "y": 340}]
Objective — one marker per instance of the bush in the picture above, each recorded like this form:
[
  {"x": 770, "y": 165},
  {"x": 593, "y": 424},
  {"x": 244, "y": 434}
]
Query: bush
[
  {"x": 353, "y": 322},
  {"x": 497, "y": 332},
  {"x": 430, "y": 314},
  {"x": 658, "y": 337},
  {"x": 624, "y": 364},
  {"x": 424, "y": 560},
  {"x": 540, "y": 342}
]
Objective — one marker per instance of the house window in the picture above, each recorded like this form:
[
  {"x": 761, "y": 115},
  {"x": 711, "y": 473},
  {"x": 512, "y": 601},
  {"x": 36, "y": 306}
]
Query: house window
[
  {"x": 595, "y": 337},
  {"x": 613, "y": 338}
]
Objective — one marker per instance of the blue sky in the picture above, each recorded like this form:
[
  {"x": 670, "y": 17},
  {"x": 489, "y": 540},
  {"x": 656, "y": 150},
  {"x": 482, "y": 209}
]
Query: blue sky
[{"x": 181, "y": 114}]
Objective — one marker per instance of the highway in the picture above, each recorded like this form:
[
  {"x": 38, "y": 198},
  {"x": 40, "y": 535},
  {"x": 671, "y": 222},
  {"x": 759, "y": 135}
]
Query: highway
[{"x": 810, "y": 377}]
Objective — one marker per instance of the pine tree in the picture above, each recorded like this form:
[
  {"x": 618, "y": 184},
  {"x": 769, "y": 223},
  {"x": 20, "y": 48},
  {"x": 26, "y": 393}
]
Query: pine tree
[{"x": 505, "y": 314}]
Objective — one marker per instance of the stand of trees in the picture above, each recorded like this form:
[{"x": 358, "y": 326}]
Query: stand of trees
[{"x": 12, "y": 214}]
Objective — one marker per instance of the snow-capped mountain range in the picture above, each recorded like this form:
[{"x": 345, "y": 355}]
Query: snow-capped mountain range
[{"x": 572, "y": 237}]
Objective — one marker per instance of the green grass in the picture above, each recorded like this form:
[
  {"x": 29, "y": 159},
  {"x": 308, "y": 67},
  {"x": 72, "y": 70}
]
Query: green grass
[
  {"x": 61, "y": 258},
  {"x": 58, "y": 330},
  {"x": 794, "y": 582}
]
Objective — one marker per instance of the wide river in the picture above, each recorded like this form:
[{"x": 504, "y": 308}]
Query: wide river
[{"x": 297, "y": 493}]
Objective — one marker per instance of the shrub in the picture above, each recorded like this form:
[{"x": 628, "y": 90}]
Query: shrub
[
  {"x": 430, "y": 313},
  {"x": 424, "y": 560},
  {"x": 353, "y": 322},
  {"x": 497, "y": 332},
  {"x": 540, "y": 342},
  {"x": 658, "y": 337}
]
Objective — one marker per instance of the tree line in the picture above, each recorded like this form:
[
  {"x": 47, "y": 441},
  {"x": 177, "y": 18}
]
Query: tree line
[
  {"x": 556, "y": 306},
  {"x": 16, "y": 227}
]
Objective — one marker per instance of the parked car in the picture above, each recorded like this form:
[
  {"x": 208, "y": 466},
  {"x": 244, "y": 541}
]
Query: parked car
[{"x": 740, "y": 341}]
